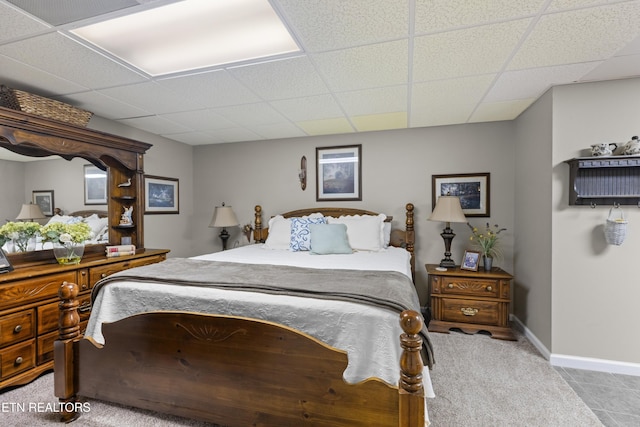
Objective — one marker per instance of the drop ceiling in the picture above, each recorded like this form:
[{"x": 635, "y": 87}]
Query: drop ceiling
[{"x": 365, "y": 65}]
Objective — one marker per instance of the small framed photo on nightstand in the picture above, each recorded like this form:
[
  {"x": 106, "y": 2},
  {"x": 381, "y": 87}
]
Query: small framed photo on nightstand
[
  {"x": 470, "y": 261},
  {"x": 5, "y": 265}
]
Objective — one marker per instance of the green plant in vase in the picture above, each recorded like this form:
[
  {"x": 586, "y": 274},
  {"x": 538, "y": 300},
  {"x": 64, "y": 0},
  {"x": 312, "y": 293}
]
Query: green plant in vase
[
  {"x": 487, "y": 242},
  {"x": 19, "y": 233},
  {"x": 68, "y": 240}
]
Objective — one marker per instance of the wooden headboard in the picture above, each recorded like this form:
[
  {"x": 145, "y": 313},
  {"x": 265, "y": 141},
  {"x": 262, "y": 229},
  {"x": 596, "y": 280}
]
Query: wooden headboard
[
  {"x": 399, "y": 238},
  {"x": 89, "y": 212}
]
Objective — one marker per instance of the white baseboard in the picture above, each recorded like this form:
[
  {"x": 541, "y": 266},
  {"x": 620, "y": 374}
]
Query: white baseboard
[{"x": 577, "y": 362}]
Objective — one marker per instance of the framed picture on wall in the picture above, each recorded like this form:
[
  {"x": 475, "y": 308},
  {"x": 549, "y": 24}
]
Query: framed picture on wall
[
  {"x": 162, "y": 195},
  {"x": 95, "y": 185},
  {"x": 471, "y": 188},
  {"x": 44, "y": 199},
  {"x": 339, "y": 173}
]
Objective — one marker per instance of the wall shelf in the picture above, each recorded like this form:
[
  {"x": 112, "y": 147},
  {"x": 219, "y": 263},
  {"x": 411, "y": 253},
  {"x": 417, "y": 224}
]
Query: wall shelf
[{"x": 612, "y": 180}]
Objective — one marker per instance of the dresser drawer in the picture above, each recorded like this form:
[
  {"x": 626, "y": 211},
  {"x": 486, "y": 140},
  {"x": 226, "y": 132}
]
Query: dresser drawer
[
  {"x": 470, "y": 311},
  {"x": 468, "y": 286},
  {"x": 49, "y": 315},
  {"x": 97, "y": 273},
  {"x": 45, "y": 343},
  {"x": 18, "y": 358},
  {"x": 33, "y": 289},
  {"x": 16, "y": 327}
]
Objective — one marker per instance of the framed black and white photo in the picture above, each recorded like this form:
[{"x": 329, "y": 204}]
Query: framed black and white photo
[
  {"x": 162, "y": 195},
  {"x": 95, "y": 186},
  {"x": 470, "y": 261},
  {"x": 339, "y": 173},
  {"x": 471, "y": 188},
  {"x": 44, "y": 199}
]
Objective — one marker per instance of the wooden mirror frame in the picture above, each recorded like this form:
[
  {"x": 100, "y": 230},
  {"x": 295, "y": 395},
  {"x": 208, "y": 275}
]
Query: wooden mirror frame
[{"x": 122, "y": 158}]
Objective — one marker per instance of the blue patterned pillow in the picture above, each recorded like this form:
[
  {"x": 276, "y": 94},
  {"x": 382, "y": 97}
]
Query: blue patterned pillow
[{"x": 300, "y": 235}]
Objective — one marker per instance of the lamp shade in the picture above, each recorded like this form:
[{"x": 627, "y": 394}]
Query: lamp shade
[
  {"x": 30, "y": 211},
  {"x": 448, "y": 209},
  {"x": 223, "y": 216}
]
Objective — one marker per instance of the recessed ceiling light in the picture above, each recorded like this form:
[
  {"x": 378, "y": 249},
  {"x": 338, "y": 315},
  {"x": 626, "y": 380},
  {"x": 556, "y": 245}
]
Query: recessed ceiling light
[{"x": 193, "y": 34}]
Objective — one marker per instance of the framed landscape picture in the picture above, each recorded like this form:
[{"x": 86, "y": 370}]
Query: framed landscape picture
[
  {"x": 44, "y": 199},
  {"x": 95, "y": 186},
  {"x": 163, "y": 195},
  {"x": 339, "y": 173},
  {"x": 471, "y": 188}
]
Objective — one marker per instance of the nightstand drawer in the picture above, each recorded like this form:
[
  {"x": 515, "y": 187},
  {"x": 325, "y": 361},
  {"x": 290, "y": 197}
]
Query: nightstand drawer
[
  {"x": 16, "y": 327},
  {"x": 470, "y": 311},
  {"x": 468, "y": 286},
  {"x": 20, "y": 357}
]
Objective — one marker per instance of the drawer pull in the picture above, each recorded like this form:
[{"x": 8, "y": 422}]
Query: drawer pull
[
  {"x": 84, "y": 307},
  {"x": 18, "y": 361},
  {"x": 450, "y": 286},
  {"x": 103, "y": 275},
  {"x": 17, "y": 329},
  {"x": 468, "y": 311},
  {"x": 489, "y": 288}
]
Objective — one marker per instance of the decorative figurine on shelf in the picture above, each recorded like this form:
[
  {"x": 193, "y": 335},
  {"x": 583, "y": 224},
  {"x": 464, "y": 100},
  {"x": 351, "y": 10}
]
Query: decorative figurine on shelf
[
  {"x": 126, "y": 184},
  {"x": 126, "y": 217}
]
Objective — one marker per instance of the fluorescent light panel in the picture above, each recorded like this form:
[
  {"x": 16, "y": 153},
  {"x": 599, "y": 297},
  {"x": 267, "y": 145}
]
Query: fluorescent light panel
[{"x": 193, "y": 34}]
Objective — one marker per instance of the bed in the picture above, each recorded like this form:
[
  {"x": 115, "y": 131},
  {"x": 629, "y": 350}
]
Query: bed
[{"x": 251, "y": 348}]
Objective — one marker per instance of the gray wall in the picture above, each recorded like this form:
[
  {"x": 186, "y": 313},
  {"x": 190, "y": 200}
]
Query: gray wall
[
  {"x": 12, "y": 195},
  {"x": 397, "y": 168}
]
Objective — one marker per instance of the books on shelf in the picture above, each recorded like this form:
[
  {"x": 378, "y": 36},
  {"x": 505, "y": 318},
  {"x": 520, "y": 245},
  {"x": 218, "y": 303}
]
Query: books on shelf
[{"x": 120, "y": 250}]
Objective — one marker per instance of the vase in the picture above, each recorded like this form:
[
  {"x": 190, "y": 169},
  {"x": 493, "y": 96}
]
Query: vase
[
  {"x": 488, "y": 263},
  {"x": 68, "y": 253}
]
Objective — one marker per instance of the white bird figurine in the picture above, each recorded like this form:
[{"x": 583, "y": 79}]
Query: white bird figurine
[{"x": 125, "y": 184}]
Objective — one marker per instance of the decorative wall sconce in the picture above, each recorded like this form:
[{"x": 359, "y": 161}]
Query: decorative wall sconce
[{"x": 302, "y": 173}]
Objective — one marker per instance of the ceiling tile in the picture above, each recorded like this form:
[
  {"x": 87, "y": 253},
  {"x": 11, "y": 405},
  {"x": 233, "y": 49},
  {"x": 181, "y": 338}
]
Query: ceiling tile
[
  {"x": 57, "y": 12},
  {"x": 154, "y": 124},
  {"x": 579, "y": 36},
  {"x": 16, "y": 24},
  {"x": 532, "y": 83},
  {"x": 496, "y": 111},
  {"x": 335, "y": 24},
  {"x": 81, "y": 65},
  {"x": 202, "y": 120},
  {"x": 618, "y": 67},
  {"x": 309, "y": 108},
  {"x": 149, "y": 96},
  {"x": 266, "y": 79},
  {"x": 374, "y": 101},
  {"x": 195, "y": 138},
  {"x": 237, "y": 134},
  {"x": 446, "y": 101},
  {"x": 251, "y": 114},
  {"x": 557, "y": 5},
  {"x": 31, "y": 79},
  {"x": 383, "y": 64},
  {"x": 440, "y": 15},
  {"x": 380, "y": 121},
  {"x": 466, "y": 52},
  {"x": 210, "y": 89},
  {"x": 109, "y": 108},
  {"x": 278, "y": 130},
  {"x": 326, "y": 126}
]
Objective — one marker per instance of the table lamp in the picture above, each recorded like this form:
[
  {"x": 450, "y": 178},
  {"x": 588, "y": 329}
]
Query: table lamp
[
  {"x": 29, "y": 212},
  {"x": 223, "y": 216},
  {"x": 447, "y": 210}
]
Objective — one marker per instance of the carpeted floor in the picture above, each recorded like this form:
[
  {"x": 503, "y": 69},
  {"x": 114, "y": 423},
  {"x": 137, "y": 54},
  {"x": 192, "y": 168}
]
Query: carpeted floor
[{"x": 478, "y": 381}]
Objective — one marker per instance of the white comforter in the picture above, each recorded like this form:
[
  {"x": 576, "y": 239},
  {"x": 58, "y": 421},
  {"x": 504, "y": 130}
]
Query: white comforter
[{"x": 375, "y": 353}]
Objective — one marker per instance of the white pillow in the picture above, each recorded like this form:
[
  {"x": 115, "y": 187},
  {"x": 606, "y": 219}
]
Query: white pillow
[
  {"x": 60, "y": 218},
  {"x": 386, "y": 234},
  {"x": 97, "y": 224},
  {"x": 279, "y": 236},
  {"x": 365, "y": 232}
]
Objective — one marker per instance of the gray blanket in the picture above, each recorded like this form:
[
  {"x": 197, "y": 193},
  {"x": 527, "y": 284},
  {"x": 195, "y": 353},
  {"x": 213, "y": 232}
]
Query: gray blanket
[{"x": 388, "y": 290}]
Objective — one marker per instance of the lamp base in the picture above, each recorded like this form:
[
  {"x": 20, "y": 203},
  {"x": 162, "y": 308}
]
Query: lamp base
[
  {"x": 224, "y": 235},
  {"x": 447, "y": 263}
]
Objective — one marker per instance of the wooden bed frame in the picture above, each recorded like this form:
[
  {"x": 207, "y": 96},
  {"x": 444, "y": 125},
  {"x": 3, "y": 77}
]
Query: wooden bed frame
[{"x": 233, "y": 371}]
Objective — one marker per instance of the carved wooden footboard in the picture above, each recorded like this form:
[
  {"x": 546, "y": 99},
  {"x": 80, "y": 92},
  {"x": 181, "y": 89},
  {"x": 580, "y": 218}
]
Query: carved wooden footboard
[{"x": 230, "y": 371}]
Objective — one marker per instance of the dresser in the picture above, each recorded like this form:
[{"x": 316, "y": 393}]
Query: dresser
[
  {"x": 29, "y": 308},
  {"x": 470, "y": 301}
]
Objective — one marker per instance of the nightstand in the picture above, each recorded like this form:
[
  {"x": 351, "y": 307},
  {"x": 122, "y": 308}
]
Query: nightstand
[{"x": 470, "y": 301}]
